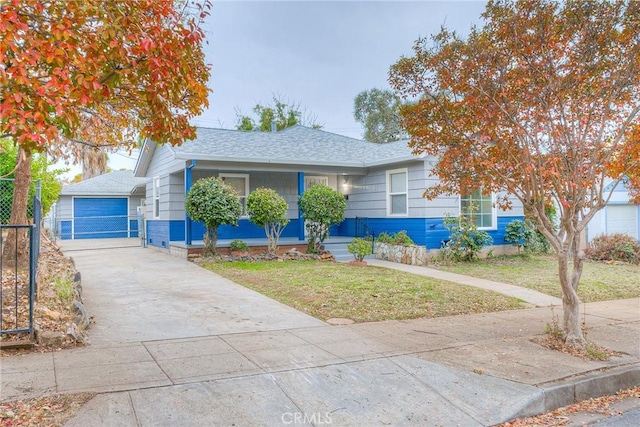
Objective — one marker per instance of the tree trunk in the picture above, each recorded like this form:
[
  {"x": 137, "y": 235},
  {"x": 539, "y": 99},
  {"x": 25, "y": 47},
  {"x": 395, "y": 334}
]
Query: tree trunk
[
  {"x": 569, "y": 280},
  {"x": 210, "y": 240},
  {"x": 94, "y": 163},
  {"x": 16, "y": 244}
]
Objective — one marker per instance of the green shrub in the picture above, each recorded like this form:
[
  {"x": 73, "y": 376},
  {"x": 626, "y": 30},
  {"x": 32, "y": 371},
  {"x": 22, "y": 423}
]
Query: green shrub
[
  {"x": 399, "y": 238},
  {"x": 214, "y": 203},
  {"x": 360, "y": 248},
  {"x": 465, "y": 240},
  {"x": 321, "y": 206},
  {"x": 268, "y": 209},
  {"x": 614, "y": 247},
  {"x": 518, "y": 233},
  {"x": 238, "y": 246}
]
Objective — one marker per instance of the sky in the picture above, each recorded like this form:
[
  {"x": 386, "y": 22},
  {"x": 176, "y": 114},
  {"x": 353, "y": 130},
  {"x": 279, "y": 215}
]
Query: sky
[{"x": 319, "y": 54}]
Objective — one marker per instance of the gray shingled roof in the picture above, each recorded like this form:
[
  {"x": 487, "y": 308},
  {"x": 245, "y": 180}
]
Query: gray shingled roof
[
  {"x": 113, "y": 183},
  {"x": 294, "y": 145}
]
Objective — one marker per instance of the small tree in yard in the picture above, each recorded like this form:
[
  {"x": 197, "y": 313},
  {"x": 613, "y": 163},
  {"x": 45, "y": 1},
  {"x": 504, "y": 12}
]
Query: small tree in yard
[
  {"x": 542, "y": 103},
  {"x": 268, "y": 209},
  {"x": 360, "y": 248},
  {"x": 214, "y": 203},
  {"x": 321, "y": 206},
  {"x": 465, "y": 240}
]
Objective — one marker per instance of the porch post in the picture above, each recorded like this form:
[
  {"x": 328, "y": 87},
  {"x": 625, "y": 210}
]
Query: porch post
[
  {"x": 187, "y": 187},
  {"x": 300, "y": 219}
]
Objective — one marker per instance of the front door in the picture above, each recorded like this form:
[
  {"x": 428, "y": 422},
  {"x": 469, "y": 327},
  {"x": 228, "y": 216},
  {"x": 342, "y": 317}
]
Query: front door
[{"x": 310, "y": 181}]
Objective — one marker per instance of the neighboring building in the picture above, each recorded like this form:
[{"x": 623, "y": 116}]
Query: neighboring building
[
  {"x": 618, "y": 216},
  {"x": 383, "y": 184},
  {"x": 101, "y": 207}
]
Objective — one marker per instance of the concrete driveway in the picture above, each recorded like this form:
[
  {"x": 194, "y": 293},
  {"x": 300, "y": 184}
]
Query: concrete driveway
[{"x": 137, "y": 294}]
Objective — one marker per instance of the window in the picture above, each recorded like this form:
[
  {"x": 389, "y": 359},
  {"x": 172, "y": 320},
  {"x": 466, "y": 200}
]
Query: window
[
  {"x": 479, "y": 206},
  {"x": 156, "y": 197},
  {"x": 397, "y": 194},
  {"x": 240, "y": 182},
  {"x": 310, "y": 181}
]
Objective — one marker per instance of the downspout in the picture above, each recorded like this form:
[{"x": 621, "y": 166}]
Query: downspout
[
  {"x": 300, "y": 219},
  {"x": 187, "y": 186}
]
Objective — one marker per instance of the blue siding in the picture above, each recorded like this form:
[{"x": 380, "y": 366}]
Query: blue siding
[
  {"x": 100, "y": 218},
  {"x": 245, "y": 230},
  {"x": 429, "y": 232},
  {"x": 158, "y": 233},
  {"x": 176, "y": 230}
]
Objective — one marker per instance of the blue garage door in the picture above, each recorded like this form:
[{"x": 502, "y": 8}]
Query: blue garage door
[{"x": 100, "y": 218}]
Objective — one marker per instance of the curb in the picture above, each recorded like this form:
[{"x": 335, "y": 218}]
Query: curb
[{"x": 561, "y": 393}]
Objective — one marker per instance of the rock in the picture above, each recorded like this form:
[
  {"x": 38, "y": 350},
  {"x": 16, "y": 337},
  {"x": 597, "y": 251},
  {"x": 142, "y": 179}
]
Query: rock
[
  {"x": 77, "y": 277},
  {"x": 325, "y": 256},
  {"x": 49, "y": 314},
  {"x": 81, "y": 317},
  {"x": 77, "y": 290},
  {"x": 50, "y": 338},
  {"x": 74, "y": 332}
]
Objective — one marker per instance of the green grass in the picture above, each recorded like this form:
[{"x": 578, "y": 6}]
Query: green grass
[
  {"x": 599, "y": 281},
  {"x": 363, "y": 294}
]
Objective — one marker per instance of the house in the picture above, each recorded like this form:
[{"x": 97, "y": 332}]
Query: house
[
  {"x": 618, "y": 216},
  {"x": 383, "y": 184},
  {"x": 104, "y": 206}
]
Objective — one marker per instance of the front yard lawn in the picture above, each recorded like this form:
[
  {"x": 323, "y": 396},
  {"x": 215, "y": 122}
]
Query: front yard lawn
[
  {"x": 364, "y": 294},
  {"x": 599, "y": 281}
]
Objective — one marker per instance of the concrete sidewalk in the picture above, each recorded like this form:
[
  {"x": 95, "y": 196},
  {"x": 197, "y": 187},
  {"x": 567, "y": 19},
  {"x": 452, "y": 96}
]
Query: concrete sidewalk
[{"x": 461, "y": 370}]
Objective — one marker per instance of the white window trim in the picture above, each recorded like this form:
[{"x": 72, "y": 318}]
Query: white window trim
[
  {"x": 223, "y": 175},
  {"x": 156, "y": 196},
  {"x": 494, "y": 212},
  {"x": 389, "y": 193}
]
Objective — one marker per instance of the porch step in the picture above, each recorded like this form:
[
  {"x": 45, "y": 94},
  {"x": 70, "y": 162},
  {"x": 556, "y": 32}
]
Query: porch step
[{"x": 339, "y": 251}]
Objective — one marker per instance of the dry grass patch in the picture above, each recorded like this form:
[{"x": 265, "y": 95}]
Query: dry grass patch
[
  {"x": 599, "y": 282},
  {"x": 363, "y": 294},
  {"x": 52, "y": 411}
]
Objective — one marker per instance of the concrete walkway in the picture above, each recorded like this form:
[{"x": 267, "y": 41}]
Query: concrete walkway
[
  {"x": 252, "y": 361},
  {"x": 528, "y": 295}
]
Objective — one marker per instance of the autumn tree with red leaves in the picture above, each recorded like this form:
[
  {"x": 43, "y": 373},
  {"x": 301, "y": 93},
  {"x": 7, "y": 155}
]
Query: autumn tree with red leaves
[
  {"x": 97, "y": 74},
  {"x": 542, "y": 102}
]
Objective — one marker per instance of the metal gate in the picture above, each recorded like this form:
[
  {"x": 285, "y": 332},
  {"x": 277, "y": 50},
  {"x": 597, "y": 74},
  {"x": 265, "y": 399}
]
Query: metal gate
[{"x": 18, "y": 278}]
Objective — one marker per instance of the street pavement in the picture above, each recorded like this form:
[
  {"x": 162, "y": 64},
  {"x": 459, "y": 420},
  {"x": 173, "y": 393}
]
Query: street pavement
[{"x": 174, "y": 344}]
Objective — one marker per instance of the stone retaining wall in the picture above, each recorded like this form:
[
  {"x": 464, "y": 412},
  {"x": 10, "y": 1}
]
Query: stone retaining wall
[{"x": 412, "y": 255}]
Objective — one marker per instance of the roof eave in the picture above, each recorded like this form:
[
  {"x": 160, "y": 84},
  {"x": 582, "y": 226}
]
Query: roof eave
[{"x": 194, "y": 156}]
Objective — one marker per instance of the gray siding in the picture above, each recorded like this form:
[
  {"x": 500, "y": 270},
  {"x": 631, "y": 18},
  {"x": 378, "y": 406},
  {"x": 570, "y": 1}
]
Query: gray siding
[
  {"x": 163, "y": 162},
  {"x": 64, "y": 208},
  {"x": 368, "y": 194},
  {"x": 284, "y": 183}
]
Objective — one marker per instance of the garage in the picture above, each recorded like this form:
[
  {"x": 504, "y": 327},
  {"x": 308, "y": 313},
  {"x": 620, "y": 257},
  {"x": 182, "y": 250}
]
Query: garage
[
  {"x": 100, "y": 218},
  {"x": 622, "y": 219},
  {"x": 103, "y": 207}
]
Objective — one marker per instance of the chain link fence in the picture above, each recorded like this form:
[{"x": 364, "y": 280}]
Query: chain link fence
[
  {"x": 96, "y": 227},
  {"x": 6, "y": 199}
]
